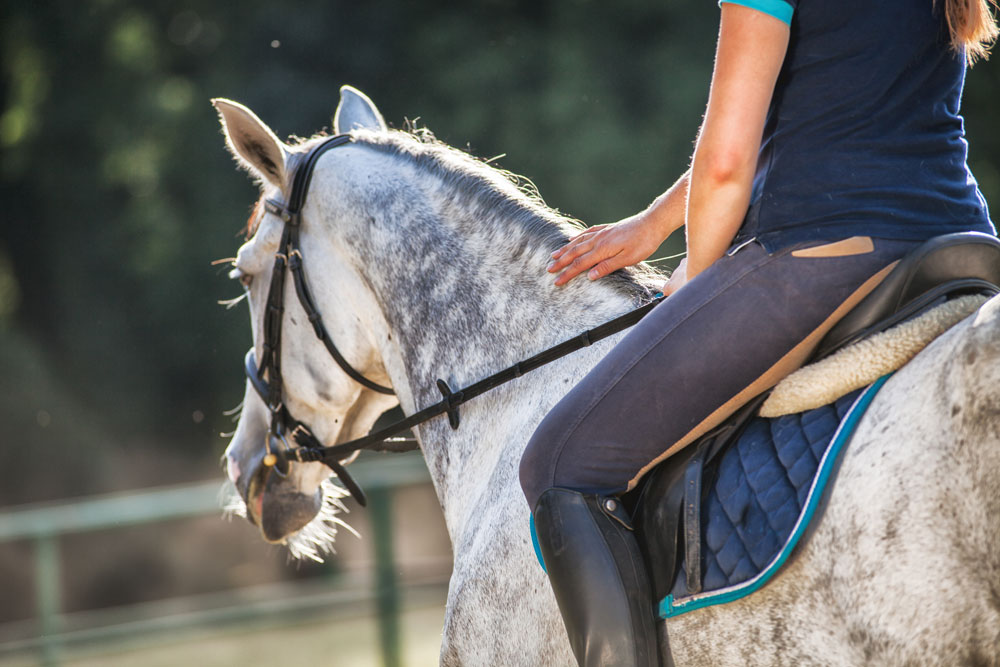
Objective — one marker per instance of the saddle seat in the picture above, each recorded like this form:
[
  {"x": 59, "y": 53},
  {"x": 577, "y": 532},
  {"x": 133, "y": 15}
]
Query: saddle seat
[
  {"x": 943, "y": 267},
  {"x": 667, "y": 507}
]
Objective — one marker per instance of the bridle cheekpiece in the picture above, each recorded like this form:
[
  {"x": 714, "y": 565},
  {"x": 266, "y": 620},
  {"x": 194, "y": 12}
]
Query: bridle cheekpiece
[{"x": 288, "y": 258}]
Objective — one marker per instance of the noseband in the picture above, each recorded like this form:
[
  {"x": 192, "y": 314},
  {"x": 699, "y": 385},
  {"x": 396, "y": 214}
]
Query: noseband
[{"x": 284, "y": 426}]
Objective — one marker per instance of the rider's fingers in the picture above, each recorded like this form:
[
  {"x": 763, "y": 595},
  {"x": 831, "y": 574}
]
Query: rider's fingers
[
  {"x": 575, "y": 268},
  {"x": 677, "y": 279},
  {"x": 609, "y": 265},
  {"x": 585, "y": 235},
  {"x": 571, "y": 252},
  {"x": 585, "y": 262},
  {"x": 571, "y": 244}
]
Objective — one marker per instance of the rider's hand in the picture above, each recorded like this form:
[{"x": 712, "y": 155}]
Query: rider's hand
[
  {"x": 603, "y": 249},
  {"x": 677, "y": 280}
]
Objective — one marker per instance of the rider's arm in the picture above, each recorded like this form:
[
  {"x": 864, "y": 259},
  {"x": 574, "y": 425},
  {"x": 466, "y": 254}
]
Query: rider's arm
[
  {"x": 750, "y": 52},
  {"x": 749, "y": 55},
  {"x": 606, "y": 248}
]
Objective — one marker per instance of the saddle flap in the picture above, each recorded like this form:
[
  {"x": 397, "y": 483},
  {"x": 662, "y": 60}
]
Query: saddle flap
[
  {"x": 657, "y": 519},
  {"x": 667, "y": 516}
]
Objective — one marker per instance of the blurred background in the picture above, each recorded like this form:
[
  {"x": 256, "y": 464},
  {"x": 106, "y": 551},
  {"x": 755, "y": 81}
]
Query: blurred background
[{"x": 117, "y": 365}]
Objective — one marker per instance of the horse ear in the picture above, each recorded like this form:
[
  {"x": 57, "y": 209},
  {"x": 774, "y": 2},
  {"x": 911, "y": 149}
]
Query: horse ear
[
  {"x": 251, "y": 142},
  {"x": 356, "y": 111}
]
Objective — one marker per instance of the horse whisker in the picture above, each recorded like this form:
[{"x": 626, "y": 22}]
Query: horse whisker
[
  {"x": 230, "y": 303},
  {"x": 316, "y": 539},
  {"x": 234, "y": 411}
]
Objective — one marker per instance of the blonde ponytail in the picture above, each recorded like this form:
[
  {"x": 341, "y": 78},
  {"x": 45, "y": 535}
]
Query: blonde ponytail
[{"x": 972, "y": 27}]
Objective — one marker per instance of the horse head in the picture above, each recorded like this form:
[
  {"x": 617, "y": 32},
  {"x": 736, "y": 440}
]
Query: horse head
[
  {"x": 424, "y": 264},
  {"x": 294, "y": 503}
]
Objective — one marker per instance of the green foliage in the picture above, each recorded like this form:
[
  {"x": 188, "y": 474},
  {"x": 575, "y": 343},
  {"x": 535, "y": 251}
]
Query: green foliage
[{"x": 117, "y": 193}]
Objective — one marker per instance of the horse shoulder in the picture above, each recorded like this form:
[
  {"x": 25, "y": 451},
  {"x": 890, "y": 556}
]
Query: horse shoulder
[{"x": 499, "y": 600}]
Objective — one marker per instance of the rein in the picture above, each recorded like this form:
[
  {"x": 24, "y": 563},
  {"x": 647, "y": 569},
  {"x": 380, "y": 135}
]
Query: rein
[{"x": 283, "y": 426}]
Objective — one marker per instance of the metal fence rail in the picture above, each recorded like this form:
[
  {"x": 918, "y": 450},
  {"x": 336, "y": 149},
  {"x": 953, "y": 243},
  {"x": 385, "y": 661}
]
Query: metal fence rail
[{"x": 46, "y": 523}]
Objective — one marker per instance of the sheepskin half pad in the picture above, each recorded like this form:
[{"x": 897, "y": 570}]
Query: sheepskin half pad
[{"x": 862, "y": 363}]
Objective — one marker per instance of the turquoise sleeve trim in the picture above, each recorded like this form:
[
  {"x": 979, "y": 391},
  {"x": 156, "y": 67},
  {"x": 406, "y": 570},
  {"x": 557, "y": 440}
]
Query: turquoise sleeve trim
[
  {"x": 669, "y": 607},
  {"x": 534, "y": 543},
  {"x": 779, "y": 9}
]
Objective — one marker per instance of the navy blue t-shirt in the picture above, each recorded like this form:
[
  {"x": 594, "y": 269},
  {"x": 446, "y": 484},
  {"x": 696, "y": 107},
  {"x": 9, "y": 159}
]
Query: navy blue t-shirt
[{"x": 863, "y": 135}]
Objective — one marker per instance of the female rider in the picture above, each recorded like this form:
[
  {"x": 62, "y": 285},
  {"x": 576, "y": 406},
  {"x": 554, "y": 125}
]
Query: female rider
[{"x": 831, "y": 146}]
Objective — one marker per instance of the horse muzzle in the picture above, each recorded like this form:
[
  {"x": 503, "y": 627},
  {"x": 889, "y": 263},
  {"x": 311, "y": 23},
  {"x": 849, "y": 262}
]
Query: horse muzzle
[
  {"x": 278, "y": 508},
  {"x": 276, "y": 497}
]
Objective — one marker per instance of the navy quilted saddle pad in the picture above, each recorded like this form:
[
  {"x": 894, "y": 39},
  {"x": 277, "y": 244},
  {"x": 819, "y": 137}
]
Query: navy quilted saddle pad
[{"x": 758, "y": 497}]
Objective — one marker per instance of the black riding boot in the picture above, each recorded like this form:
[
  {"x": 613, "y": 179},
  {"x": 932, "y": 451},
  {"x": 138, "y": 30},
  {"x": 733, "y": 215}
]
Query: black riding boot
[{"x": 599, "y": 578}]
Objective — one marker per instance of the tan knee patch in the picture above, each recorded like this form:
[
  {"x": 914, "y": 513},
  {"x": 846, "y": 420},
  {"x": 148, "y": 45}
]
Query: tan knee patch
[{"x": 856, "y": 245}]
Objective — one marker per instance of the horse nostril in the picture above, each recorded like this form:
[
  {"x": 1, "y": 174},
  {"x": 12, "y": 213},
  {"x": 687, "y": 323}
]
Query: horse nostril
[
  {"x": 233, "y": 469},
  {"x": 258, "y": 506}
]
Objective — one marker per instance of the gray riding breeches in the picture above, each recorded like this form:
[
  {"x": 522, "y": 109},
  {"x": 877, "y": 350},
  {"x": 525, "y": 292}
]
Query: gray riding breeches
[{"x": 728, "y": 335}]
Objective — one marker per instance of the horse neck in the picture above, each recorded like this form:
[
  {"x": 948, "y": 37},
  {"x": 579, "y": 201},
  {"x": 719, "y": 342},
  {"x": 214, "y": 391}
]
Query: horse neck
[{"x": 466, "y": 298}]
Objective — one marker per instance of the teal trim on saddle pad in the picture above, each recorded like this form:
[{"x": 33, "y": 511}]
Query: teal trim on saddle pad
[
  {"x": 534, "y": 543},
  {"x": 670, "y": 607}
]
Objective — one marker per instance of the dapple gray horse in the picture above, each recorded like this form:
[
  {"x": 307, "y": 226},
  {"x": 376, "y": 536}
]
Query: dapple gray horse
[{"x": 427, "y": 263}]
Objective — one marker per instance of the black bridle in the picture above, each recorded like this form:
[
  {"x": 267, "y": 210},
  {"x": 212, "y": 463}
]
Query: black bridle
[
  {"x": 289, "y": 256},
  {"x": 284, "y": 426}
]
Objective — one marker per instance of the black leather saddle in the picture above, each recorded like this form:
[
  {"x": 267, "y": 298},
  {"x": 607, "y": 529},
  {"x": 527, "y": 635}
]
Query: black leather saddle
[
  {"x": 943, "y": 267},
  {"x": 667, "y": 506}
]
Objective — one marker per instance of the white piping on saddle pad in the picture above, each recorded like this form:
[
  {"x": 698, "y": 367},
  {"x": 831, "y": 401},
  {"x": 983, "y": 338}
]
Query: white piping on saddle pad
[{"x": 862, "y": 363}]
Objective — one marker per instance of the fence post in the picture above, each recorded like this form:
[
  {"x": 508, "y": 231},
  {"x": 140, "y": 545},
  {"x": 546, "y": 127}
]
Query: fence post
[
  {"x": 48, "y": 580},
  {"x": 386, "y": 588}
]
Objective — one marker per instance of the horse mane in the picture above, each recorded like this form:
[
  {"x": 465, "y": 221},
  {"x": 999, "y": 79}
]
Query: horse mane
[
  {"x": 495, "y": 194},
  {"x": 501, "y": 195}
]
